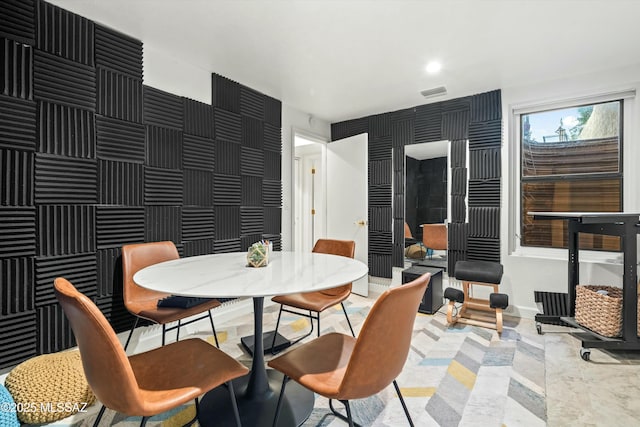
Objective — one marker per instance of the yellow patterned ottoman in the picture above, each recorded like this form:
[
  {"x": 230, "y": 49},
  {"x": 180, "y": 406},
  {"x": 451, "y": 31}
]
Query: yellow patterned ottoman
[{"x": 50, "y": 387}]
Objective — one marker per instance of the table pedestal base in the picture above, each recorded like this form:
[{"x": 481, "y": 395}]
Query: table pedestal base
[
  {"x": 258, "y": 410},
  {"x": 267, "y": 339}
]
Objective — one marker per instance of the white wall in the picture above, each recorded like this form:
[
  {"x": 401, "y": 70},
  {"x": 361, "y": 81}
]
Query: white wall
[
  {"x": 294, "y": 120},
  {"x": 547, "y": 270}
]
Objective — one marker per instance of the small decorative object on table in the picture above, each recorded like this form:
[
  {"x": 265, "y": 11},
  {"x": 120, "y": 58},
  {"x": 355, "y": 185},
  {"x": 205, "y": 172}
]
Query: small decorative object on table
[{"x": 258, "y": 254}]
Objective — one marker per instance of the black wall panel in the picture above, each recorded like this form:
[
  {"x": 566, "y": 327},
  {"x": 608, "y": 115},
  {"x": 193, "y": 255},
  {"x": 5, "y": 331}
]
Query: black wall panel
[
  {"x": 92, "y": 160},
  {"x": 380, "y": 218},
  {"x": 477, "y": 119},
  {"x": 17, "y": 69},
  {"x": 120, "y": 140},
  {"x": 64, "y": 34},
  {"x": 17, "y": 124},
  {"x": 63, "y": 81},
  {"x": 162, "y": 108},
  {"x": 484, "y": 222},
  {"x": 483, "y": 249},
  {"x": 16, "y": 178},
  {"x": 18, "y": 231},
  {"x": 118, "y": 52},
  {"x": 119, "y": 95},
  {"x": 17, "y": 290},
  {"x": 17, "y": 20}
]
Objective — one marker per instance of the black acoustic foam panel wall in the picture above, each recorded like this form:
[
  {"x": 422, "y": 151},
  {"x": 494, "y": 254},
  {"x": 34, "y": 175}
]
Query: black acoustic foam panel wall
[
  {"x": 473, "y": 121},
  {"x": 92, "y": 159}
]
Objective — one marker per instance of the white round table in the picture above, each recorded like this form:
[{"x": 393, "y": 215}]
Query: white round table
[{"x": 227, "y": 275}]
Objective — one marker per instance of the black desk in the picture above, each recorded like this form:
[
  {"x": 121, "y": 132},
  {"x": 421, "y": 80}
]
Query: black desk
[{"x": 624, "y": 225}]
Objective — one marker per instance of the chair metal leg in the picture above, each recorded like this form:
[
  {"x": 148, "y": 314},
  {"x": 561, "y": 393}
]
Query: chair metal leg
[
  {"x": 213, "y": 328},
  {"x": 348, "y": 418},
  {"x": 275, "y": 333},
  {"x": 178, "y": 331},
  {"x": 164, "y": 332},
  {"x": 285, "y": 379},
  {"x": 144, "y": 421},
  {"x": 318, "y": 323},
  {"x": 99, "y": 417},
  {"x": 404, "y": 406},
  {"x": 234, "y": 403},
  {"x": 348, "y": 322},
  {"x": 131, "y": 333},
  {"x": 310, "y": 316}
]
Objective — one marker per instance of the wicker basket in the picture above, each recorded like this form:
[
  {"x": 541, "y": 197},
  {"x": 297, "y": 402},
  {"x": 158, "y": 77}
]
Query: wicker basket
[{"x": 600, "y": 313}]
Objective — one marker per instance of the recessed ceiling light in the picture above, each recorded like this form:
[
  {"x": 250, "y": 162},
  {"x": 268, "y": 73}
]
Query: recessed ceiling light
[{"x": 433, "y": 67}]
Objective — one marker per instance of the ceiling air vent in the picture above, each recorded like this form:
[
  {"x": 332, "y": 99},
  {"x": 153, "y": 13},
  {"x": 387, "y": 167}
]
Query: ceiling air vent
[{"x": 436, "y": 91}]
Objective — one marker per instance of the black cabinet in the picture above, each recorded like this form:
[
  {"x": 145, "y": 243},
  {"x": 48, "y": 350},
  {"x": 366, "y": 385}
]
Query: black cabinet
[{"x": 432, "y": 299}]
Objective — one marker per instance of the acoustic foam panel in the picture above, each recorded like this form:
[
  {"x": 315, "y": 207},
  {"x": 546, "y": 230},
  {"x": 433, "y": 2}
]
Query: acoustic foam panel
[
  {"x": 163, "y": 223},
  {"x": 198, "y": 152},
  {"x": 119, "y": 95},
  {"x": 402, "y": 133},
  {"x": 17, "y": 69},
  {"x": 428, "y": 123},
  {"x": 485, "y": 135},
  {"x": 380, "y": 218},
  {"x": 118, "y": 52},
  {"x": 272, "y": 165},
  {"x": 116, "y": 313},
  {"x": 162, "y": 108},
  {"x": 79, "y": 269},
  {"x": 484, "y": 193},
  {"x": 116, "y": 226},
  {"x": 17, "y": 20},
  {"x": 458, "y": 158},
  {"x": 229, "y": 245},
  {"x": 452, "y": 258},
  {"x": 251, "y": 220},
  {"x": 458, "y": 181},
  {"x": 272, "y": 221},
  {"x": 227, "y": 222},
  {"x": 252, "y": 162},
  {"x": 227, "y": 190},
  {"x": 198, "y": 119},
  {"x": 273, "y": 112},
  {"x": 380, "y": 265},
  {"x": 397, "y": 203},
  {"x": 63, "y": 81},
  {"x": 18, "y": 338},
  {"x": 65, "y": 180},
  {"x": 398, "y": 230},
  {"x": 455, "y": 124},
  {"x": 248, "y": 240},
  {"x": 120, "y": 183},
  {"x": 66, "y": 131},
  {"x": 225, "y": 93},
  {"x": 17, "y": 124},
  {"x": 18, "y": 231},
  {"x": 198, "y": 223},
  {"x": 164, "y": 147},
  {"x": 109, "y": 272},
  {"x": 231, "y": 153},
  {"x": 349, "y": 128},
  {"x": 398, "y": 184},
  {"x": 457, "y": 236},
  {"x": 483, "y": 249},
  {"x": 65, "y": 34},
  {"x": 228, "y": 126},
  {"x": 252, "y": 103},
  {"x": 252, "y": 191},
  {"x": 276, "y": 239},
  {"x": 198, "y": 188},
  {"x": 379, "y": 125},
  {"x": 17, "y": 290},
  {"x": 379, "y": 148},
  {"x": 55, "y": 333},
  {"x": 272, "y": 193},
  {"x": 380, "y": 195},
  {"x": 252, "y": 133},
  {"x": 380, "y": 242},
  {"x": 120, "y": 140},
  {"x": 458, "y": 208},
  {"x": 272, "y": 138},
  {"x": 65, "y": 229},
  {"x": 16, "y": 178},
  {"x": 198, "y": 247},
  {"x": 485, "y": 164},
  {"x": 484, "y": 222},
  {"x": 380, "y": 172},
  {"x": 162, "y": 186},
  {"x": 486, "y": 107}
]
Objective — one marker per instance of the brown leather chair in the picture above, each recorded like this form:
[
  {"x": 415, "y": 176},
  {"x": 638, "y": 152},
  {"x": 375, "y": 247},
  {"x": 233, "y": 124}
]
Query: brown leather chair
[
  {"x": 320, "y": 300},
  {"x": 341, "y": 367},
  {"x": 434, "y": 236},
  {"x": 148, "y": 383},
  {"x": 143, "y": 303}
]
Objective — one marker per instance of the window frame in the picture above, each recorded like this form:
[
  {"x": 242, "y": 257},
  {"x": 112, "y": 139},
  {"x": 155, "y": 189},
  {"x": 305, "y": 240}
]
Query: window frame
[{"x": 627, "y": 96}]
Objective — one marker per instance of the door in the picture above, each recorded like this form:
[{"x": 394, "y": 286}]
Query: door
[{"x": 347, "y": 197}]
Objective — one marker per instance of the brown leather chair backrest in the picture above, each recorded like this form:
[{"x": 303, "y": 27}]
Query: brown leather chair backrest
[
  {"x": 407, "y": 231},
  {"x": 138, "y": 256},
  {"x": 434, "y": 236},
  {"x": 384, "y": 340},
  {"x": 346, "y": 248},
  {"x": 105, "y": 363}
]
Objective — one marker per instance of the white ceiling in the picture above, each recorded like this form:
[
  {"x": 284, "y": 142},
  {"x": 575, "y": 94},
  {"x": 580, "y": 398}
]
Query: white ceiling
[{"x": 351, "y": 58}]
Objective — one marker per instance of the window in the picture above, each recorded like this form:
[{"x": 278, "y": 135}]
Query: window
[{"x": 570, "y": 162}]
